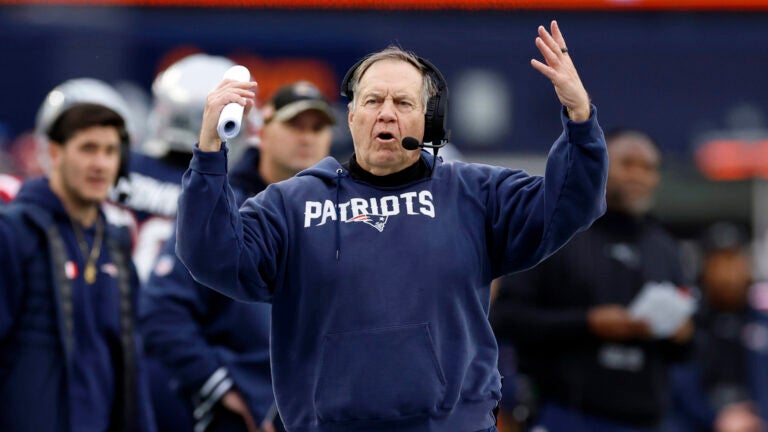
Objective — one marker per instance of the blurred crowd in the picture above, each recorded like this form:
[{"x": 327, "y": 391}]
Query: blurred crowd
[{"x": 578, "y": 349}]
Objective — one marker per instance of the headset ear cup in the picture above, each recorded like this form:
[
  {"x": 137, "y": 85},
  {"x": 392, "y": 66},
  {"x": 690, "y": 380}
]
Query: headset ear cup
[
  {"x": 429, "y": 120},
  {"x": 435, "y": 127}
]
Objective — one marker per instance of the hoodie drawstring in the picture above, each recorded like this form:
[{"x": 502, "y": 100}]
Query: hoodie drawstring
[{"x": 339, "y": 171}]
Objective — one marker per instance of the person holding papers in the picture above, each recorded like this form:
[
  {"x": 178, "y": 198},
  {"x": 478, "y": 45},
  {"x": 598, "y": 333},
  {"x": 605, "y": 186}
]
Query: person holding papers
[{"x": 596, "y": 355}]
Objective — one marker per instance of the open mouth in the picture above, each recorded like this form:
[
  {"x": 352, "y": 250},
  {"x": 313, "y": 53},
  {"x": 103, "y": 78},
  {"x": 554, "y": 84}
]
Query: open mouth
[{"x": 385, "y": 136}]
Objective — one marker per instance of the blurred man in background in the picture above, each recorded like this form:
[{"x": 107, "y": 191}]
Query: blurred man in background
[
  {"x": 70, "y": 358},
  {"x": 217, "y": 349},
  {"x": 724, "y": 387},
  {"x": 595, "y": 366},
  {"x": 179, "y": 94},
  {"x": 152, "y": 189}
]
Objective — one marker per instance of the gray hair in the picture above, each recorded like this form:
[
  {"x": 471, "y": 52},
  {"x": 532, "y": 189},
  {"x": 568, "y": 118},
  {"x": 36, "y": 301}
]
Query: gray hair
[{"x": 392, "y": 52}]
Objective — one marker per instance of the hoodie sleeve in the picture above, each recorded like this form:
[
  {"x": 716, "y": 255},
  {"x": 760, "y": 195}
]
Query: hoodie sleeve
[
  {"x": 172, "y": 307},
  {"x": 212, "y": 239},
  {"x": 531, "y": 217},
  {"x": 10, "y": 276}
]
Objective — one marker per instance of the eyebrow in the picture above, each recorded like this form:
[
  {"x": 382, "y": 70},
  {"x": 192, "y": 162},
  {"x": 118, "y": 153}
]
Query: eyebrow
[
  {"x": 398, "y": 95},
  {"x": 98, "y": 144}
]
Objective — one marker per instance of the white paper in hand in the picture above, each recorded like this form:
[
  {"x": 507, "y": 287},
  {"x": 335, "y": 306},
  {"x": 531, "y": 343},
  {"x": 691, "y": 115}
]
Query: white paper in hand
[
  {"x": 232, "y": 115},
  {"x": 663, "y": 306}
]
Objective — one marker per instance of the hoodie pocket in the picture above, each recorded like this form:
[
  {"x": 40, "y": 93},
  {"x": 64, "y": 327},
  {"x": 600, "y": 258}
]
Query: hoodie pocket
[{"x": 377, "y": 374}]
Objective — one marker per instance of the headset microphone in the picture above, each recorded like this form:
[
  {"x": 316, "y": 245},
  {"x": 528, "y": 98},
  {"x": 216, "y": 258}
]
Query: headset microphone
[{"x": 411, "y": 143}]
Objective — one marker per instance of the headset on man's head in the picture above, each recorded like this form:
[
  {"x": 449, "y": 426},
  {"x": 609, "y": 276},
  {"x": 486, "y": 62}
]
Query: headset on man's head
[{"x": 436, "y": 114}]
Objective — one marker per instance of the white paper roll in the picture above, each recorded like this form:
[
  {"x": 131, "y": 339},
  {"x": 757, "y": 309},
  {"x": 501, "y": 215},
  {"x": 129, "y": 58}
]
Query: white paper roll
[{"x": 232, "y": 115}]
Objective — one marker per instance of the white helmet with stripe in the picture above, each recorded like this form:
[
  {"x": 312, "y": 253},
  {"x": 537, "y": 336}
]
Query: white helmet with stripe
[{"x": 180, "y": 94}]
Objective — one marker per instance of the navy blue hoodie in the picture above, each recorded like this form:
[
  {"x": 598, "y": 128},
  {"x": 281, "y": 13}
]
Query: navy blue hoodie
[
  {"x": 54, "y": 377},
  {"x": 380, "y": 295}
]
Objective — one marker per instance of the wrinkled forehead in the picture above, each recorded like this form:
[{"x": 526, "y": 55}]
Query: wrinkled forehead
[{"x": 391, "y": 75}]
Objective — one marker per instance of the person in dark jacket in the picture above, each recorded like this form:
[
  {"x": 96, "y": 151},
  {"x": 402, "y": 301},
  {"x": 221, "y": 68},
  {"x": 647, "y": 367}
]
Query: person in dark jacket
[
  {"x": 70, "y": 356},
  {"x": 593, "y": 364},
  {"x": 724, "y": 386},
  {"x": 379, "y": 269},
  {"x": 217, "y": 349}
]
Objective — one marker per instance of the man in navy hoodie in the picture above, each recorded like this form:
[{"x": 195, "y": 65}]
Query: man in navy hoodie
[
  {"x": 379, "y": 270},
  {"x": 216, "y": 348},
  {"x": 70, "y": 359}
]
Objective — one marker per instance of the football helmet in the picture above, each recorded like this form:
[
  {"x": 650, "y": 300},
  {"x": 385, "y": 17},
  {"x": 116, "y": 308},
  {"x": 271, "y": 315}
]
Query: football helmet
[{"x": 180, "y": 94}]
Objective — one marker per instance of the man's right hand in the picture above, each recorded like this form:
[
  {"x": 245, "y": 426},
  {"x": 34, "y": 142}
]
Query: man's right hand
[
  {"x": 243, "y": 93},
  {"x": 234, "y": 402},
  {"x": 614, "y": 323}
]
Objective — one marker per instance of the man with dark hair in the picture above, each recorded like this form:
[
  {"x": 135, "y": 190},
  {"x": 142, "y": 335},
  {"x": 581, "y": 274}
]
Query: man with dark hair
[
  {"x": 70, "y": 359},
  {"x": 379, "y": 269},
  {"x": 595, "y": 366},
  {"x": 217, "y": 349}
]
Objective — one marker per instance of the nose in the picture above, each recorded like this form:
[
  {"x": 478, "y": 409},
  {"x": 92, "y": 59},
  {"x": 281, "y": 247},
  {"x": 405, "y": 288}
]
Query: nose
[
  {"x": 387, "y": 112},
  {"x": 304, "y": 136},
  {"x": 104, "y": 160}
]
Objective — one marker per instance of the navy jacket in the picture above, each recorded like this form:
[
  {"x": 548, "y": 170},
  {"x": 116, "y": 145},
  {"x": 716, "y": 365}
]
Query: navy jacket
[
  {"x": 380, "y": 295},
  {"x": 196, "y": 331},
  {"x": 543, "y": 312},
  {"x": 69, "y": 359}
]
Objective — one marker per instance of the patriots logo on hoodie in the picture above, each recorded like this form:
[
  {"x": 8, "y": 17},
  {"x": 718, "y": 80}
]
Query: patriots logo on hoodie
[
  {"x": 374, "y": 211},
  {"x": 375, "y": 220}
]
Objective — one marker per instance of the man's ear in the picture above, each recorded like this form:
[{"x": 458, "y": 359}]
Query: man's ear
[{"x": 54, "y": 151}]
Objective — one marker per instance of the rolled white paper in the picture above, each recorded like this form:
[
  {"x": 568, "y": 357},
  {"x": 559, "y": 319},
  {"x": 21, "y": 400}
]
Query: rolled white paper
[{"x": 232, "y": 115}]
